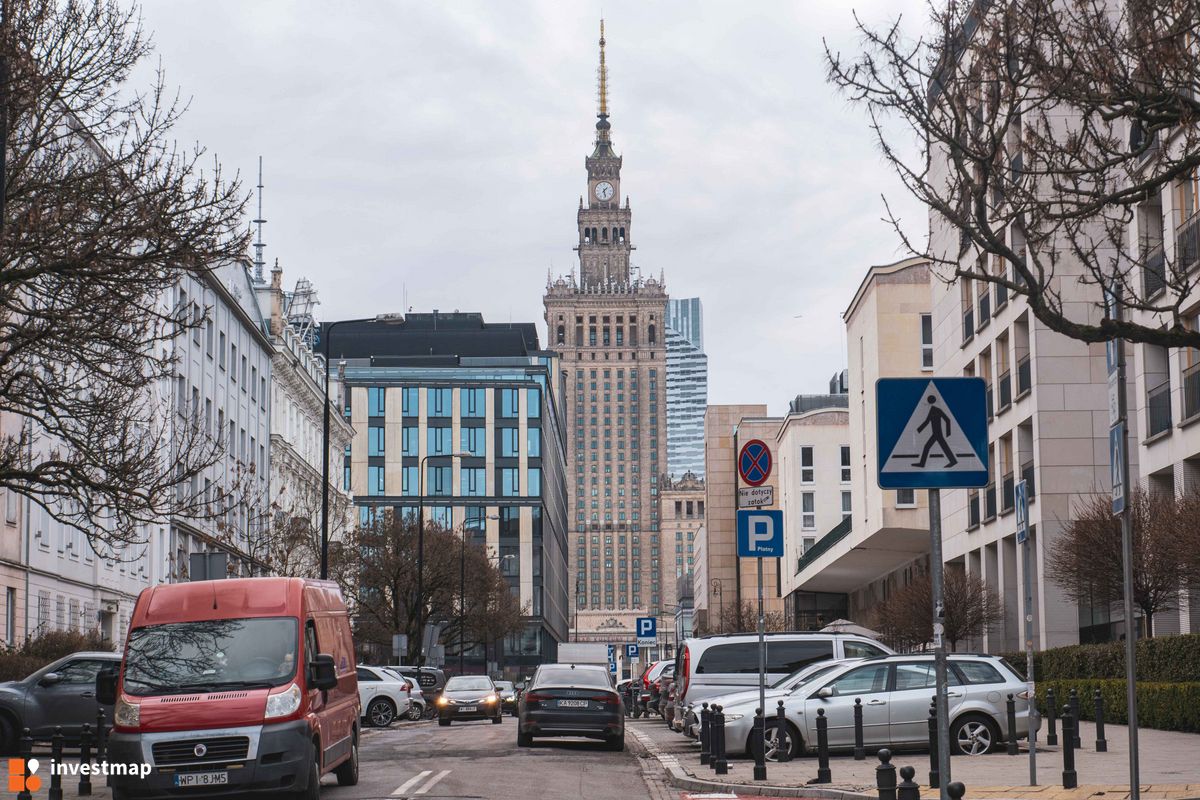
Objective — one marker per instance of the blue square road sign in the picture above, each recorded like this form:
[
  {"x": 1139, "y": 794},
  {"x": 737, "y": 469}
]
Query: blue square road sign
[{"x": 759, "y": 533}]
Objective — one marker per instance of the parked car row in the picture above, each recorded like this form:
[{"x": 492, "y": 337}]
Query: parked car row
[{"x": 830, "y": 671}]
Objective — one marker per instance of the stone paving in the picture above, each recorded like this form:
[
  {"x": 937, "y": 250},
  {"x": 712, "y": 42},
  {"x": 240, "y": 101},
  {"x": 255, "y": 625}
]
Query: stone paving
[{"x": 1170, "y": 768}]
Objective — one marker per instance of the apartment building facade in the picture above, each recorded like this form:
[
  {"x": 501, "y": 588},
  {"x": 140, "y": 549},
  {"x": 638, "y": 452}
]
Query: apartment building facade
[{"x": 682, "y": 502}]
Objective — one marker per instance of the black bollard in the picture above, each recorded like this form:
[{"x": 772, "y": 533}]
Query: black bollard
[
  {"x": 85, "y": 757},
  {"x": 705, "y": 735},
  {"x": 783, "y": 752},
  {"x": 1051, "y": 716},
  {"x": 908, "y": 789},
  {"x": 719, "y": 763},
  {"x": 1073, "y": 702},
  {"x": 860, "y": 752},
  {"x": 26, "y": 790},
  {"x": 1070, "y": 779},
  {"x": 759, "y": 738},
  {"x": 1012, "y": 727},
  {"x": 823, "y": 775},
  {"x": 956, "y": 790},
  {"x": 101, "y": 735},
  {"x": 1101, "y": 742},
  {"x": 56, "y": 751},
  {"x": 885, "y": 776},
  {"x": 934, "y": 774}
]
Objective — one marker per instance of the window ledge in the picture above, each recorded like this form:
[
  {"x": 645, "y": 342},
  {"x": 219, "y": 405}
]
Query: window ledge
[
  {"x": 1022, "y": 395},
  {"x": 989, "y": 519},
  {"x": 972, "y": 528},
  {"x": 1163, "y": 434},
  {"x": 1183, "y": 423},
  {"x": 967, "y": 341},
  {"x": 1004, "y": 512},
  {"x": 1003, "y": 408}
]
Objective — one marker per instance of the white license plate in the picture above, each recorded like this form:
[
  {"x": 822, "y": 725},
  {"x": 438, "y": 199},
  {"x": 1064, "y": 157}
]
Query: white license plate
[
  {"x": 572, "y": 703},
  {"x": 201, "y": 778},
  {"x": 465, "y": 709}
]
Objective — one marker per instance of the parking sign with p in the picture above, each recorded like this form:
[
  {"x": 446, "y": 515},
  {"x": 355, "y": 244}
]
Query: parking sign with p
[
  {"x": 760, "y": 533},
  {"x": 647, "y": 631}
]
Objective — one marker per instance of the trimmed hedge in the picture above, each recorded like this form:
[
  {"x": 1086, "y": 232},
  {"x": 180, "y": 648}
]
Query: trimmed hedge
[
  {"x": 33, "y": 654},
  {"x": 1165, "y": 706},
  {"x": 1169, "y": 659}
]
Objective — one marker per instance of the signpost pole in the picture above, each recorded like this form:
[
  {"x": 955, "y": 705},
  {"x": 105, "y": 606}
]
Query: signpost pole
[
  {"x": 760, "y": 764},
  {"x": 1023, "y": 538},
  {"x": 939, "y": 645}
]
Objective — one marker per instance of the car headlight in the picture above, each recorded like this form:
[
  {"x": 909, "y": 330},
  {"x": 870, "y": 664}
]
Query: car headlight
[
  {"x": 441, "y": 701},
  {"x": 126, "y": 714},
  {"x": 732, "y": 717},
  {"x": 491, "y": 698},
  {"x": 283, "y": 703}
]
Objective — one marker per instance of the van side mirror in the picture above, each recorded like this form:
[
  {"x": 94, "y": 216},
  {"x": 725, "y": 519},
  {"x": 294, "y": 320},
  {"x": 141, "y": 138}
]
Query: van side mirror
[
  {"x": 106, "y": 685},
  {"x": 324, "y": 672},
  {"x": 825, "y": 691},
  {"x": 49, "y": 679}
]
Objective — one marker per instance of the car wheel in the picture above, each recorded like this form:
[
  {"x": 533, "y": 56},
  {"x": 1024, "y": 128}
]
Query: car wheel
[
  {"x": 496, "y": 720},
  {"x": 973, "y": 735},
  {"x": 381, "y": 712},
  {"x": 524, "y": 740},
  {"x": 347, "y": 771},
  {"x": 415, "y": 712},
  {"x": 778, "y": 741},
  {"x": 445, "y": 723},
  {"x": 615, "y": 743}
]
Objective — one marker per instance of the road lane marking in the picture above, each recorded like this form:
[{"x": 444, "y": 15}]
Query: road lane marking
[
  {"x": 408, "y": 784},
  {"x": 432, "y": 781}
]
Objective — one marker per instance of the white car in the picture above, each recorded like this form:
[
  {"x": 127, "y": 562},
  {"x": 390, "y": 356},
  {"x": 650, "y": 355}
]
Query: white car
[
  {"x": 384, "y": 696},
  {"x": 417, "y": 710}
]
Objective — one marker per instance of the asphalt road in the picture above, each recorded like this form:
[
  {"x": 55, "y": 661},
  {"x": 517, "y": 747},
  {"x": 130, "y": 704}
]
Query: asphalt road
[{"x": 482, "y": 760}]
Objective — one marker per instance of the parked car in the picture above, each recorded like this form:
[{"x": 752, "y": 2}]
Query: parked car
[
  {"x": 894, "y": 692},
  {"x": 508, "y": 696},
  {"x": 384, "y": 696},
  {"x": 432, "y": 680},
  {"x": 641, "y": 699},
  {"x": 625, "y": 689},
  {"x": 233, "y": 687},
  {"x": 571, "y": 700},
  {"x": 469, "y": 697},
  {"x": 62, "y": 693},
  {"x": 723, "y": 663},
  {"x": 656, "y": 681},
  {"x": 418, "y": 707}
]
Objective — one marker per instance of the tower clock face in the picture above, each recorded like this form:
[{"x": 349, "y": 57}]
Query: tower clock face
[{"x": 604, "y": 190}]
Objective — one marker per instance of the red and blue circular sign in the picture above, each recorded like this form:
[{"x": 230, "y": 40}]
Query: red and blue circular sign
[{"x": 754, "y": 462}]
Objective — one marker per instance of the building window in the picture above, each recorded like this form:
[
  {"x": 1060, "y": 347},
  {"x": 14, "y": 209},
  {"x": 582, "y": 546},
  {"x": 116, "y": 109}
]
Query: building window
[
  {"x": 806, "y": 465},
  {"x": 906, "y": 498},
  {"x": 509, "y": 403},
  {"x": 473, "y": 403},
  {"x": 440, "y": 402},
  {"x": 474, "y": 482},
  {"x": 375, "y": 480},
  {"x": 410, "y": 476},
  {"x": 440, "y": 441},
  {"x": 845, "y": 463},
  {"x": 375, "y": 439},
  {"x": 535, "y": 482},
  {"x": 846, "y": 505},
  {"x": 473, "y": 441},
  {"x": 926, "y": 341},
  {"x": 535, "y": 443},
  {"x": 375, "y": 401},
  {"x": 438, "y": 480},
  {"x": 410, "y": 399},
  {"x": 221, "y": 349},
  {"x": 808, "y": 515},
  {"x": 533, "y": 399},
  {"x": 510, "y": 485},
  {"x": 408, "y": 441},
  {"x": 510, "y": 442}
]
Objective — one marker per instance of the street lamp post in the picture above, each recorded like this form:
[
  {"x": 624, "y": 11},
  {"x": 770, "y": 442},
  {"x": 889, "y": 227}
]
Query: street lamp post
[
  {"x": 421, "y": 549},
  {"x": 462, "y": 600},
  {"x": 326, "y": 335},
  {"x": 500, "y": 559},
  {"x": 716, "y": 587}
]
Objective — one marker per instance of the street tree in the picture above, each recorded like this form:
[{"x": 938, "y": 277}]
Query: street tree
[
  {"x": 104, "y": 214},
  {"x": 1086, "y": 559},
  {"x": 1041, "y": 132},
  {"x": 376, "y": 566},
  {"x": 905, "y": 619},
  {"x": 743, "y": 618}
]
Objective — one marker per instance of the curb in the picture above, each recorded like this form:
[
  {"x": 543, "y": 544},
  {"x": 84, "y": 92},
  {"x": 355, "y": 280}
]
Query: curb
[{"x": 677, "y": 776}]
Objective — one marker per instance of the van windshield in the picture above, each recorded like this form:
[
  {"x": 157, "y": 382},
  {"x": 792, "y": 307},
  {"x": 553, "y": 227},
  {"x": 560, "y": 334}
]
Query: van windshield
[{"x": 210, "y": 655}]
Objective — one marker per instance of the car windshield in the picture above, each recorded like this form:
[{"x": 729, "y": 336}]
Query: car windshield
[
  {"x": 467, "y": 683},
  {"x": 506, "y": 685},
  {"x": 566, "y": 676},
  {"x": 209, "y": 655},
  {"x": 797, "y": 682}
]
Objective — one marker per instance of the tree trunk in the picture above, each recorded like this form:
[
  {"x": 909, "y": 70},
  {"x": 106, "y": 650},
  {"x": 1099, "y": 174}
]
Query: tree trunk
[{"x": 1148, "y": 616}]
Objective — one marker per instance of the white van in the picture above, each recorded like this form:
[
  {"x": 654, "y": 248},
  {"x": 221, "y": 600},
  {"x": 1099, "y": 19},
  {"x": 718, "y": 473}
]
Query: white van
[{"x": 722, "y": 663}]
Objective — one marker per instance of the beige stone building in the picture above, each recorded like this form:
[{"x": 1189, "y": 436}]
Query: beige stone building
[
  {"x": 608, "y": 327},
  {"x": 682, "y": 501}
]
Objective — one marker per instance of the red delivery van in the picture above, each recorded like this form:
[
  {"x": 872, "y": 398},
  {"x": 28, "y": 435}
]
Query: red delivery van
[{"x": 235, "y": 687}]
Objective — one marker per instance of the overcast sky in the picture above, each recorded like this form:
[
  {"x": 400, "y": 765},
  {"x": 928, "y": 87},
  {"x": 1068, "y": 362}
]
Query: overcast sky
[{"x": 434, "y": 152}]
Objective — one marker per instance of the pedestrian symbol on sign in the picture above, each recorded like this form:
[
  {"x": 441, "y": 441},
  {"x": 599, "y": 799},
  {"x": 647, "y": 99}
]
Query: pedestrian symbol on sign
[
  {"x": 937, "y": 418},
  {"x": 932, "y": 440}
]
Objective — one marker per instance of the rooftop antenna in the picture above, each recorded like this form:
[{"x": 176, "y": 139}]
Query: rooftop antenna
[{"x": 258, "y": 242}]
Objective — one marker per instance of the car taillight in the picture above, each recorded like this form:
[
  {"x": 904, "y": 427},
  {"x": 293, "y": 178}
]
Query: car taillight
[
  {"x": 534, "y": 697},
  {"x": 658, "y": 684},
  {"x": 607, "y": 699}
]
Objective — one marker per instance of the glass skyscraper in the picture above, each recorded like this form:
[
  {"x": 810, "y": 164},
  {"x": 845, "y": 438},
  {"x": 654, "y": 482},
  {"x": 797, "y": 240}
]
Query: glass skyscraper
[{"x": 687, "y": 386}]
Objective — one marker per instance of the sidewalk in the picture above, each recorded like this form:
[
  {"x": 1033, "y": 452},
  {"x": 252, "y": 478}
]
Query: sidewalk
[{"x": 1170, "y": 769}]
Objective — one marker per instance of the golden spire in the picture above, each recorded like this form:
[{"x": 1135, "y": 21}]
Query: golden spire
[{"x": 603, "y": 76}]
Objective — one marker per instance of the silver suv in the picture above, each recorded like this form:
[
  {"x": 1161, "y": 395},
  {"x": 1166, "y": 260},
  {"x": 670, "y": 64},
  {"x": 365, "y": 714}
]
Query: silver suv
[{"x": 895, "y": 692}]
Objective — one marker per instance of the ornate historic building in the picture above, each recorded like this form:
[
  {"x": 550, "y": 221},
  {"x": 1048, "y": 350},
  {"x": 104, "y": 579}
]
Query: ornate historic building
[{"x": 608, "y": 325}]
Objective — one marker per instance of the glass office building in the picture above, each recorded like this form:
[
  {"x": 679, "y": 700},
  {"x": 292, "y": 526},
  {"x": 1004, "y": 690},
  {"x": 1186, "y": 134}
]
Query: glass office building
[{"x": 687, "y": 387}]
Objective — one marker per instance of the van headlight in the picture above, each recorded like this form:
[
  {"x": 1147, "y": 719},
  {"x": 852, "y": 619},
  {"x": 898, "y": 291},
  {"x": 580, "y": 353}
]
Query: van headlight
[
  {"x": 126, "y": 714},
  {"x": 283, "y": 703}
]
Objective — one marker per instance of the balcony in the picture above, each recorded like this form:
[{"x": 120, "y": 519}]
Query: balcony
[
  {"x": 1191, "y": 391},
  {"x": 1024, "y": 375},
  {"x": 1187, "y": 243},
  {"x": 1005, "y": 384},
  {"x": 985, "y": 309},
  {"x": 968, "y": 325},
  {"x": 972, "y": 509},
  {"x": 1158, "y": 409},
  {"x": 1027, "y": 476},
  {"x": 1154, "y": 270},
  {"x": 989, "y": 502},
  {"x": 1008, "y": 493}
]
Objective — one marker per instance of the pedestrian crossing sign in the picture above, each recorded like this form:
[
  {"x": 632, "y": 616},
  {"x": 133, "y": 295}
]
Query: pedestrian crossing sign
[{"x": 931, "y": 432}]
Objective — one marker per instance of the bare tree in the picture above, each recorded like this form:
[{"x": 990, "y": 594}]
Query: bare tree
[
  {"x": 1041, "y": 131},
  {"x": 376, "y": 566},
  {"x": 105, "y": 214},
  {"x": 906, "y": 618},
  {"x": 1086, "y": 558},
  {"x": 743, "y": 618}
]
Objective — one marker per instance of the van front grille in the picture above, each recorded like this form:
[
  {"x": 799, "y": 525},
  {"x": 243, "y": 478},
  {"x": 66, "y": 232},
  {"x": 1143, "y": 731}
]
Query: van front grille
[{"x": 224, "y": 748}]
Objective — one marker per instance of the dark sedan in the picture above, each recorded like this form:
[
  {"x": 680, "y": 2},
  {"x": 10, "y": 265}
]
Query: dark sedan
[
  {"x": 469, "y": 697},
  {"x": 571, "y": 700},
  {"x": 59, "y": 694}
]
